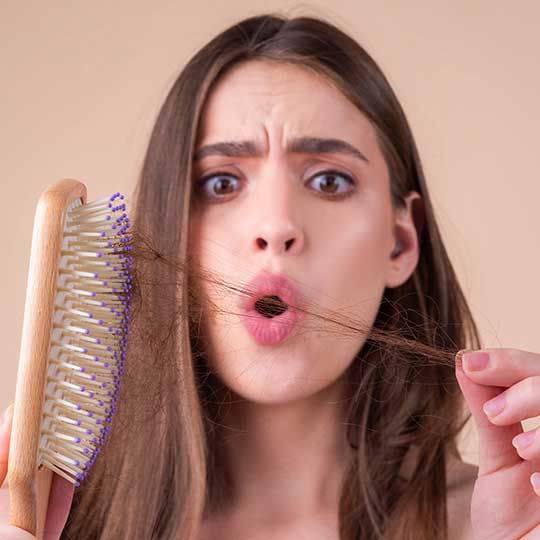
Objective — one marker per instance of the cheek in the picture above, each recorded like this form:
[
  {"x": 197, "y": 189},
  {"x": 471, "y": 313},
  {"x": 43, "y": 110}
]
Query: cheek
[
  {"x": 210, "y": 241},
  {"x": 355, "y": 267},
  {"x": 355, "y": 249},
  {"x": 364, "y": 252}
]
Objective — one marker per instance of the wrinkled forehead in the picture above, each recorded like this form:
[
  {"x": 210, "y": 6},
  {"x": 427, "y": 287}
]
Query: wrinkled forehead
[{"x": 259, "y": 97}]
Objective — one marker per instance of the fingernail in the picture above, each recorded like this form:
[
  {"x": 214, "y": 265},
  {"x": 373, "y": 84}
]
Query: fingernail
[
  {"x": 459, "y": 357},
  {"x": 5, "y": 415},
  {"x": 494, "y": 406},
  {"x": 535, "y": 480},
  {"x": 523, "y": 440},
  {"x": 475, "y": 361}
]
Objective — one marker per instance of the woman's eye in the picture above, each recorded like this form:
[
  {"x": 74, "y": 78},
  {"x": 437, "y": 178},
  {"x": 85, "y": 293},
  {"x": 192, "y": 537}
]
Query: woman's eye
[
  {"x": 328, "y": 185},
  {"x": 221, "y": 187},
  {"x": 223, "y": 184}
]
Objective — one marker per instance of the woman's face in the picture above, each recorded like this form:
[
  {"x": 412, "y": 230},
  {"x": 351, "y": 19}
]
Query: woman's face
[{"x": 331, "y": 234}]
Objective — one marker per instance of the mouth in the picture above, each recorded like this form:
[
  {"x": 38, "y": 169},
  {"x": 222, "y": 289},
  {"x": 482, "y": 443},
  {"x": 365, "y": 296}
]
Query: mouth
[
  {"x": 271, "y": 306},
  {"x": 269, "y": 311},
  {"x": 270, "y": 295}
]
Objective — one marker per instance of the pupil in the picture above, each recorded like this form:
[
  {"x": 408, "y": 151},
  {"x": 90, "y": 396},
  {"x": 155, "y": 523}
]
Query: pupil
[{"x": 270, "y": 306}]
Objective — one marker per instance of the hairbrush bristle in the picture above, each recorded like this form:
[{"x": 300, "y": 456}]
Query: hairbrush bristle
[{"x": 89, "y": 336}]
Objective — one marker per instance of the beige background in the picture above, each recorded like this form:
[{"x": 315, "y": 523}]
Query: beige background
[{"x": 82, "y": 82}]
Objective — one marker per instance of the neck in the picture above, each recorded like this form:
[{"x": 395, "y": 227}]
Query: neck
[{"x": 287, "y": 459}]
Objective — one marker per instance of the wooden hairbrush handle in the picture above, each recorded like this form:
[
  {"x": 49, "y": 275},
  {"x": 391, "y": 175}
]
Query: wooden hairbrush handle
[{"x": 29, "y": 488}]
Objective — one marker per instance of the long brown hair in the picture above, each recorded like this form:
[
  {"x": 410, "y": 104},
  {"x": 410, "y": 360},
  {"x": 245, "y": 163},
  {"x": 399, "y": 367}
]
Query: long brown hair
[{"x": 159, "y": 473}]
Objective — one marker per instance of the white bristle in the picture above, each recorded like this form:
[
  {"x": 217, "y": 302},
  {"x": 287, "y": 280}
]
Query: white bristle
[{"x": 88, "y": 342}]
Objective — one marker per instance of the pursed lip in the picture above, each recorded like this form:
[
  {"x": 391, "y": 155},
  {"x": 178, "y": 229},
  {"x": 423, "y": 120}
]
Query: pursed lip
[{"x": 268, "y": 283}]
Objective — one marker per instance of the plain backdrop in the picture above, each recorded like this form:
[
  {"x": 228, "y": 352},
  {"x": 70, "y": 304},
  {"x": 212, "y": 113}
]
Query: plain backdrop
[{"x": 82, "y": 83}]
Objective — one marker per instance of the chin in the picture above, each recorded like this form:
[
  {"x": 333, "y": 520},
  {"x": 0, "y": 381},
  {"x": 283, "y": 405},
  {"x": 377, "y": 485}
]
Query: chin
[{"x": 278, "y": 379}]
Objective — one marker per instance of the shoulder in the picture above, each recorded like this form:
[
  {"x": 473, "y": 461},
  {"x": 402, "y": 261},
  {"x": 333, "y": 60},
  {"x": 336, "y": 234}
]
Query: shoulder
[{"x": 461, "y": 478}]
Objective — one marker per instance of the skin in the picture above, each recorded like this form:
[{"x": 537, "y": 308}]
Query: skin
[
  {"x": 504, "y": 503},
  {"x": 286, "y": 445},
  {"x": 60, "y": 496}
]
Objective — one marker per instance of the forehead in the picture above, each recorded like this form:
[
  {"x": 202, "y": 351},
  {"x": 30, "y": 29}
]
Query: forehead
[{"x": 292, "y": 99}]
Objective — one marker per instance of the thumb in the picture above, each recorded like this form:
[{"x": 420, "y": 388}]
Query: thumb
[
  {"x": 5, "y": 435},
  {"x": 495, "y": 449}
]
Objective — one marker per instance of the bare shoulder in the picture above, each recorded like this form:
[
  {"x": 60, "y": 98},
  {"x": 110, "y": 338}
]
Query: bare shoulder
[{"x": 461, "y": 477}]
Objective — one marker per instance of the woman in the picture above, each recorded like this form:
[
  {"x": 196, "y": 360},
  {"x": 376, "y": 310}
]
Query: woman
[{"x": 291, "y": 367}]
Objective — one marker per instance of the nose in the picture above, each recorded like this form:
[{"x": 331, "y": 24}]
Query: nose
[
  {"x": 277, "y": 244},
  {"x": 278, "y": 229},
  {"x": 279, "y": 234}
]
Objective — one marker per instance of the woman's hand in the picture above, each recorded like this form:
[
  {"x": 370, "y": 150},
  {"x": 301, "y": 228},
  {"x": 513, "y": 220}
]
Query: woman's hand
[
  {"x": 60, "y": 497},
  {"x": 504, "y": 505}
]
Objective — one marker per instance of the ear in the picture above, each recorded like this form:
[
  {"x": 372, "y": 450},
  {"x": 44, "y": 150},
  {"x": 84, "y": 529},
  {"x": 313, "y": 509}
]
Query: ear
[{"x": 408, "y": 226}]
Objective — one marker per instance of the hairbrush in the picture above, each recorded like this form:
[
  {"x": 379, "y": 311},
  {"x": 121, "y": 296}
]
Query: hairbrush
[{"x": 73, "y": 344}]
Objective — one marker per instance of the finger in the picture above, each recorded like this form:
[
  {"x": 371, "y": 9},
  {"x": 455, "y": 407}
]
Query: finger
[
  {"x": 495, "y": 449},
  {"x": 519, "y": 402},
  {"x": 61, "y": 493},
  {"x": 60, "y": 499},
  {"x": 5, "y": 435},
  {"x": 505, "y": 367},
  {"x": 528, "y": 444}
]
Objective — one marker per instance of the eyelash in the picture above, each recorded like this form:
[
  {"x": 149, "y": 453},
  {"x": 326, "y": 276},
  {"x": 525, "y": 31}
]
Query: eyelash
[{"x": 347, "y": 177}]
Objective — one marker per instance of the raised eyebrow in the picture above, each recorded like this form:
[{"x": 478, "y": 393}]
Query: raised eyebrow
[{"x": 304, "y": 145}]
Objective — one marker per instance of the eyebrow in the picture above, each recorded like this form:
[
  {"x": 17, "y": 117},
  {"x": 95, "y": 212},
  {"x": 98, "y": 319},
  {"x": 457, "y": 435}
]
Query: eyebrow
[{"x": 305, "y": 145}]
